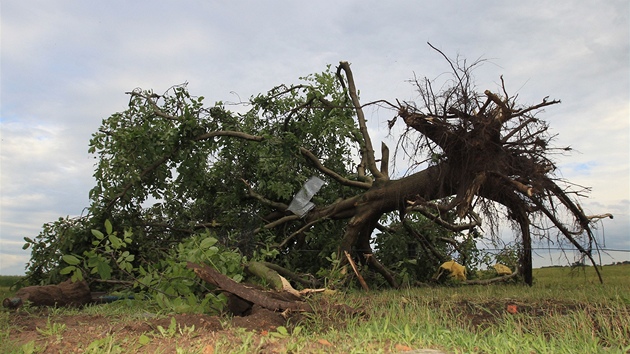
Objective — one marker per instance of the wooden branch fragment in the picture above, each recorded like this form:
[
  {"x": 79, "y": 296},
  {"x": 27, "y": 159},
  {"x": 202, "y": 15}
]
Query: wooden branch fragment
[
  {"x": 544, "y": 103},
  {"x": 524, "y": 189},
  {"x": 332, "y": 174},
  {"x": 565, "y": 231},
  {"x": 67, "y": 293},
  {"x": 280, "y": 221},
  {"x": 517, "y": 129},
  {"x": 255, "y": 296},
  {"x": 600, "y": 216},
  {"x": 260, "y": 198},
  {"x": 263, "y": 272},
  {"x": 373, "y": 262},
  {"x": 384, "y": 159},
  {"x": 490, "y": 281},
  {"x": 292, "y": 276},
  {"x": 299, "y": 231},
  {"x": 356, "y": 271},
  {"x": 438, "y": 220},
  {"x": 506, "y": 112},
  {"x": 286, "y": 286},
  {"x": 158, "y": 112}
]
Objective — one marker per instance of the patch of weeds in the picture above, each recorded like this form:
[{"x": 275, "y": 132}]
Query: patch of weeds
[
  {"x": 283, "y": 332},
  {"x": 239, "y": 340},
  {"x": 175, "y": 329},
  {"x": 170, "y": 331},
  {"x": 52, "y": 329},
  {"x": 107, "y": 344},
  {"x": 31, "y": 348}
]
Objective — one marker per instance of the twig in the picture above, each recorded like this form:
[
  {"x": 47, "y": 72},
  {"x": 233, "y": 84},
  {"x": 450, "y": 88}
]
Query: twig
[{"x": 356, "y": 271}]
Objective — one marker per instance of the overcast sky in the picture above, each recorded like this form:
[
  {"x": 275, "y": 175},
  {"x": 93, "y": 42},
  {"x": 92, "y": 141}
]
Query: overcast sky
[{"x": 65, "y": 66}]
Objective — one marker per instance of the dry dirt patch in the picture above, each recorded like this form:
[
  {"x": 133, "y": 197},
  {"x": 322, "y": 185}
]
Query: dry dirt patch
[{"x": 74, "y": 333}]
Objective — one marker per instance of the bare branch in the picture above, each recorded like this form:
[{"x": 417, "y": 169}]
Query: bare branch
[
  {"x": 569, "y": 235},
  {"x": 544, "y": 103},
  {"x": 506, "y": 112},
  {"x": 445, "y": 224},
  {"x": 384, "y": 159},
  {"x": 284, "y": 243},
  {"x": 271, "y": 203},
  {"x": 278, "y": 222},
  {"x": 334, "y": 175},
  {"x": 148, "y": 98},
  {"x": 231, "y": 133},
  {"x": 600, "y": 216},
  {"x": 368, "y": 149}
]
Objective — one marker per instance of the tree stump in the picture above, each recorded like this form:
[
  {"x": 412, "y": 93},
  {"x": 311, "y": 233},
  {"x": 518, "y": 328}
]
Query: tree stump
[{"x": 67, "y": 293}]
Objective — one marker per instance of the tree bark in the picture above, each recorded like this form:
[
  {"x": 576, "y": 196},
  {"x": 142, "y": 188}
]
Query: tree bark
[
  {"x": 67, "y": 293},
  {"x": 263, "y": 272},
  {"x": 252, "y": 295}
]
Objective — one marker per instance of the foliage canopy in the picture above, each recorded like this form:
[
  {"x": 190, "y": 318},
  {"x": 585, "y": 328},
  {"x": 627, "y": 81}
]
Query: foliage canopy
[{"x": 170, "y": 169}]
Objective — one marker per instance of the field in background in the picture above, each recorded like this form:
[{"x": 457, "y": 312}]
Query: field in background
[{"x": 566, "y": 311}]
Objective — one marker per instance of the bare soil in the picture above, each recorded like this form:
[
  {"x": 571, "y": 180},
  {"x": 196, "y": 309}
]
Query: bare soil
[{"x": 81, "y": 330}]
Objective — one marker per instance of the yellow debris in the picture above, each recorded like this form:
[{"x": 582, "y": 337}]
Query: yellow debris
[
  {"x": 502, "y": 270},
  {"x": 457, "y": 270}
]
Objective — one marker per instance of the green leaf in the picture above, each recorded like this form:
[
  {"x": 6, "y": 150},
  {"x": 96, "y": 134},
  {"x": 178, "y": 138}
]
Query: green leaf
[
  {"x": 207, "y": 243},
  {"x": 108, "y": 227},
  {"x": 104, "y": 270},
  {"x": 115, "y": 240},
  {"x": 283, "y": 330},
  {"x": 67, "y": 270},
  {"x": 99, "y": 235},
  {"x": 70, "y": 259},
  {"x": 77, "y": 275},
  {"x": 144, "y": 340}
]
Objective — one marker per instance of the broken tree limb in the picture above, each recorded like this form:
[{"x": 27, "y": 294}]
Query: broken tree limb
[
  {"x": 366, "y": 146},
  {"x": 312, "y": 282},
  {"x": 276, "y": 280},
  {"x": 356, "y": 271},
  {"x": 490, "y": 281},
  {"x": 263, "y": 272},
  {"x": 67, "y": 293},
  {"x": 255, "y": 296}
]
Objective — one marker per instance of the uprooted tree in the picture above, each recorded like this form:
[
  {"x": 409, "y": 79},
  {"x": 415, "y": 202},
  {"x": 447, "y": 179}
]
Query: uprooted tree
[{"x": 169, "y": 167}]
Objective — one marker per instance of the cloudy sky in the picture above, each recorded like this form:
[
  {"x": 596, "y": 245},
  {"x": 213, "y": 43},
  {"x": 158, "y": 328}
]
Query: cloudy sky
[{"x": 65, "y": 66}]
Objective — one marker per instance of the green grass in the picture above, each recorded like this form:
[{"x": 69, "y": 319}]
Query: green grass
[
  {"x": 7, "y": 283},
  {"x": 9, "y": 280},
  {"x": 564, "y": 312}
]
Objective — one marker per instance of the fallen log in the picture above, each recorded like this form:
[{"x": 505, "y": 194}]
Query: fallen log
[
  {"x": 245, "y": 292},
  {"x": 67, "y": 293}
]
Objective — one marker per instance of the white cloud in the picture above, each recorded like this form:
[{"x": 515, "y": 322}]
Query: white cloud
[{"x": 67, "y": 64}]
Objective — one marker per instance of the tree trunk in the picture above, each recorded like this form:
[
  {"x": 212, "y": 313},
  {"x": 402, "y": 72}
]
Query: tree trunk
[
  {"x": 252, "y": 295},
  {"x": 526, "y": 255},
  {"x": 67, "y": 293}
]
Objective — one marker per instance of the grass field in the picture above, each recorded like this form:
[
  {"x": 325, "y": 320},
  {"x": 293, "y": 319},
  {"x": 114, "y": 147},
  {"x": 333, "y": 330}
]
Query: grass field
[{"x": 564, "y": 312}]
